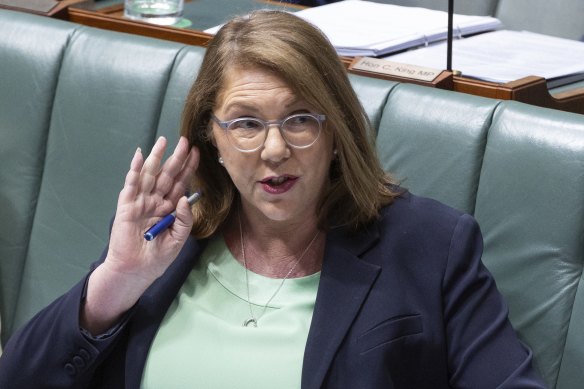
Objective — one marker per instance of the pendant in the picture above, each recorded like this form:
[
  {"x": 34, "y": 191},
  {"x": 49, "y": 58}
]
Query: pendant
[{"x": 250, "y": 322}]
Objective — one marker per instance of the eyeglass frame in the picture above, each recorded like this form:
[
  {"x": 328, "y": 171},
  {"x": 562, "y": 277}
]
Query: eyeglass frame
[{"x": 224, "y": 124}]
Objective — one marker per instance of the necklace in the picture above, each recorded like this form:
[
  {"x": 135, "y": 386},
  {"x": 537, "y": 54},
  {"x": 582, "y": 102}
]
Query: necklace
[{"x": 253, "y": 321}]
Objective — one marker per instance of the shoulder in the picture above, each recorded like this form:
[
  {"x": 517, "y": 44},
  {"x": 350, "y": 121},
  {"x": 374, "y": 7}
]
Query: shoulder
[
  {"x": 412, "y": 212},
  {"x": 417, "y": 228}
]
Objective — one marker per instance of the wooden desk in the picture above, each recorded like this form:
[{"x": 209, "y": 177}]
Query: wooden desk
[
  {"x": 112, "y": 18},
  {"x": 202, "y": 14},
  {"x": 531, "y": 90}
]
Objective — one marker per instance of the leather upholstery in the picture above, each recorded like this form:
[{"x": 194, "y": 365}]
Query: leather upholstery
[
  {"x": 76, "y": 101},
  {"x": 530, "y": 205},
  {"x": 430, "y": 137},
  {"x": 29, "y": 70}
]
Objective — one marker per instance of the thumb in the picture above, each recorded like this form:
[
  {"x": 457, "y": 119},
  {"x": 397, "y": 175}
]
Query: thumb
[{"x": 184, "y": 216}]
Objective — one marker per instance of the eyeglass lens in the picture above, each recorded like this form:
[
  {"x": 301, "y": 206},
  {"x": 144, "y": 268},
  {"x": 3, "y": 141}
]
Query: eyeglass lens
[{"x": 298, "y": 131}]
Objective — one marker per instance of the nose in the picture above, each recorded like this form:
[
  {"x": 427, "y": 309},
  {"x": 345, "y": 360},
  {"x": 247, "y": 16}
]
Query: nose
[{"x": 275, "y": 147}]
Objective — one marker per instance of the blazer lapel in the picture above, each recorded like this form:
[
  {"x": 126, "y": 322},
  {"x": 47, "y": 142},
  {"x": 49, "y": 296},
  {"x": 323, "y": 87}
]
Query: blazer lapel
[
  {"x": 151, "y": 310},
  {"x": 344, "y": 284}
]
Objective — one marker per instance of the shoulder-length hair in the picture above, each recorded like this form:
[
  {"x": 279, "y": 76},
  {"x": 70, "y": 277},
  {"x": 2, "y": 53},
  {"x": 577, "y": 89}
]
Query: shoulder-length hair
[{"x": 299, "y": 53}]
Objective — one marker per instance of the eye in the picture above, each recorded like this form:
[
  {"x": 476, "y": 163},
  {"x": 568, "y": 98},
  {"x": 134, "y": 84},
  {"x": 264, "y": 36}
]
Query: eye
[
  {"x": 247, "y": 124},
  {"x": 299, "y": 120},
  {"x": 301, "y": 123}
]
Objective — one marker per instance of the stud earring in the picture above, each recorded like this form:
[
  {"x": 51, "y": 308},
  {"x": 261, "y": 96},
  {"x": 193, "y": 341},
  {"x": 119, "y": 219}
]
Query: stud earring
[
  {"x": 335, "y": 152},
  {"x": 221, "y": 160}
]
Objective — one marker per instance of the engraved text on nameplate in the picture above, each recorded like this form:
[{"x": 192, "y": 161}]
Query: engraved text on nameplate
[{"x": 383, "y": 66}]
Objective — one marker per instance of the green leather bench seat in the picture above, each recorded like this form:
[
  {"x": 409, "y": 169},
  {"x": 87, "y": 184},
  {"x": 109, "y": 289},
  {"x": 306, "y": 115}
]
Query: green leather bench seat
[
  {"x": 75, "y": 102},
  {"x": 72, "y": 124},
  {"x": 520, "y": 171},
  {"x": 29, "y": 70},
  {"x": 530, "y": 205}
]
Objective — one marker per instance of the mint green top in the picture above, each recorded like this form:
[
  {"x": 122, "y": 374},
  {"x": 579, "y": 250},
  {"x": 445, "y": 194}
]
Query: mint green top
[{"x": 202, "y": 343}]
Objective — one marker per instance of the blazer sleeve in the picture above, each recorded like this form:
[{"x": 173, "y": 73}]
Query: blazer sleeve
[
  {"x": 484, "y": 350},
  {"x": 52, "y": 351}
]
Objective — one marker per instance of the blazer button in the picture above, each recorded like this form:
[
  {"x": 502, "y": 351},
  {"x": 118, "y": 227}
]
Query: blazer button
[
  {"x": 70, "y": 369},
  {"x": 78, "y": 362},
  {"x": 84, "y": 354}
]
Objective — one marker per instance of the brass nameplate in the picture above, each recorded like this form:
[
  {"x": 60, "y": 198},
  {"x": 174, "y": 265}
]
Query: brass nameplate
[{"x": 382, "y": 66}]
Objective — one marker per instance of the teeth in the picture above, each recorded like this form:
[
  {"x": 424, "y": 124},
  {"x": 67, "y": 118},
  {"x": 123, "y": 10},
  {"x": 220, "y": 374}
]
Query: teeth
[{"x": 278, "y": 181}]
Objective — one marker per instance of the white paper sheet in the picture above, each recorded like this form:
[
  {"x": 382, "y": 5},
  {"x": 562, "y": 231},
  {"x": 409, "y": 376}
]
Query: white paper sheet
[
  {"x": 505, "y": 55},
  {"x": 371, "y": 29}
]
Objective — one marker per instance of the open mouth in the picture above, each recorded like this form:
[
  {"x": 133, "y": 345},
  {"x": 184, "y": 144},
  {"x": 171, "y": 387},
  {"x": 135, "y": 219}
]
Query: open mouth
[{"x": 277, "y": 181}]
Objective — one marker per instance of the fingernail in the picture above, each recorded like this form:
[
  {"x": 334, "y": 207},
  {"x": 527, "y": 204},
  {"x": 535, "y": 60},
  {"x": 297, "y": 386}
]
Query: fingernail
[{"x": 138, "y": 150}]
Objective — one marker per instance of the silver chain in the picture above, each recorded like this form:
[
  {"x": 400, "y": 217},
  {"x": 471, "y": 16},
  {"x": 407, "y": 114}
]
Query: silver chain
[{"x": 253, "y": 321}]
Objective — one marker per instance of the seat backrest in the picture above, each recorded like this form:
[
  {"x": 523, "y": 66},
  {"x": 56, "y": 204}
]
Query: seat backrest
[
  {"x": 433, "y": 140},
  {"x": 564, "y": 19},
  {"x": 520, "y": 170},
  {"x": 29, "y": 70},
  {"x": 530, "y": 205},
  {"x": 97, "y": 96}
]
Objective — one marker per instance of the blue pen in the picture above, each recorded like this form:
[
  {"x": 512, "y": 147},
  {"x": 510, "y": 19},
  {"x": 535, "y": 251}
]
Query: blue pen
[{"x": 167, "y": 221}]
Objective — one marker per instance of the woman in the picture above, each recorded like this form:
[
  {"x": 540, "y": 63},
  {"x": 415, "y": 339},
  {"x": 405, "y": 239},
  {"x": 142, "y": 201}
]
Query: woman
[{"x": 302, "y": 265}]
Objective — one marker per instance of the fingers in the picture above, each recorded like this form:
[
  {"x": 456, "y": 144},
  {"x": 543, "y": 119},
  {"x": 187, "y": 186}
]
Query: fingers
[
  {"x": 152, "y": 184},
  {"x": 132, "y": 182},
  {"x": 172, "y": 167},
  {"x": 183, "y": 179},
  {"x": 151, "y": 166}
]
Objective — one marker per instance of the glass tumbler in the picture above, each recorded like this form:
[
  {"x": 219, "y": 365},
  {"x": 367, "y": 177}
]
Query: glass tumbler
[{"x": 162, "y": 12}]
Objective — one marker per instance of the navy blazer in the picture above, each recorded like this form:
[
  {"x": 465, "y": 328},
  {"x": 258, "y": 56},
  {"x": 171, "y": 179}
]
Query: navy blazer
[{"x": 404, "y": 303}]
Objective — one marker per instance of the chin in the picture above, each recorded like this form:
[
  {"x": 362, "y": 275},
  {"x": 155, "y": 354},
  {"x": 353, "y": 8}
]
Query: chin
[
  {"x": 280, "y": 212},
  {"x": 278, "y": 216}
]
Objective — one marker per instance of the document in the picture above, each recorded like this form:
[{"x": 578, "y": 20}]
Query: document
[
  {"x": 43, "y": 6},
  {"x": 365, "y": 28},
  {"x": 504, "y": 56}
]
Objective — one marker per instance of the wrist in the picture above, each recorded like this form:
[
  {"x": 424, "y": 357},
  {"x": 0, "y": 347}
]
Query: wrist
[{"x": 109, "y": 296}]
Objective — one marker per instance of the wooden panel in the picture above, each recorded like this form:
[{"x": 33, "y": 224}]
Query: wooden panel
[{"x": 112, "y": 18}]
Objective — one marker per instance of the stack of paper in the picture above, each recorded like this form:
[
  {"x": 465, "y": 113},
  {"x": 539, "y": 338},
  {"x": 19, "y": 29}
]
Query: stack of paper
[
  {"x": 364, "y": 28},
  {"x": 504, "y": 56}
]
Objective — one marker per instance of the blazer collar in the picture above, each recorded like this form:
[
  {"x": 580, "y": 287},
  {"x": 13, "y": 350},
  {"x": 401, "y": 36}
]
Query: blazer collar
[{"x": 344, "y": 284}]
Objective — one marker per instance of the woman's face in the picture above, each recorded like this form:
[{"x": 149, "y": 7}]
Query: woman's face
[{"x": 277, "y": 182}]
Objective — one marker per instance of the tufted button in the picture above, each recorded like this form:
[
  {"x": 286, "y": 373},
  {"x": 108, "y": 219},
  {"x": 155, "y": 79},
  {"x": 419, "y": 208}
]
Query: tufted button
[
  {"x": 70, "y": 369},
  {"x": 83, "y": 353},
  {"x": 78, "y": 362}
]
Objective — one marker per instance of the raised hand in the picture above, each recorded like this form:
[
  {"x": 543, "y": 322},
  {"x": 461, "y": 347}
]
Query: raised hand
[{"x": 151, "y": 191}]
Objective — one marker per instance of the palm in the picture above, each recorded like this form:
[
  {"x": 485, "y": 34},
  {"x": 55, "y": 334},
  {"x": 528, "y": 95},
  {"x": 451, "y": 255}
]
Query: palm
[{"x": 151, "y": 191}]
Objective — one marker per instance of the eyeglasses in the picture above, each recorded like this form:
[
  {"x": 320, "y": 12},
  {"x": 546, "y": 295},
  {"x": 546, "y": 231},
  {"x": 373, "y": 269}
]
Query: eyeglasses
[{"x": 248, "y": 134}]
